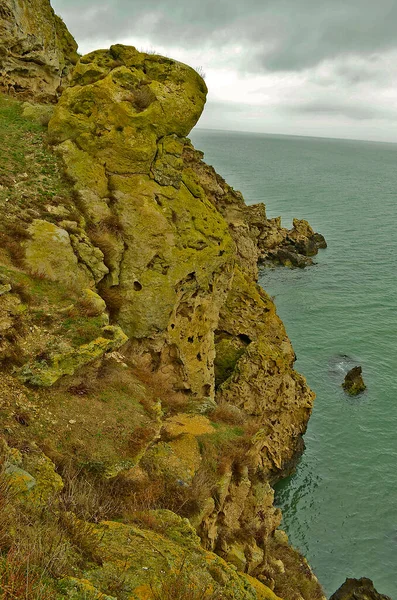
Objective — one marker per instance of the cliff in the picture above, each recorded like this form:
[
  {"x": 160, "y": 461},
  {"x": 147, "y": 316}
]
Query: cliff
[
  {"x": 148, "y": 396},
  {"x": 36, "y": 49}
]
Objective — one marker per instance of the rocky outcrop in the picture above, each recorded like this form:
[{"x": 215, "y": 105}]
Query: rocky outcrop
[
  {"x": 36, "y": 49},
  {"x": 182, "y": 251},
  {"x": 354, "y": 383},
  {"x": 147, "y": 355},
  {"x": 358, "y": 589},
  {"x": 257, "y": 238}
]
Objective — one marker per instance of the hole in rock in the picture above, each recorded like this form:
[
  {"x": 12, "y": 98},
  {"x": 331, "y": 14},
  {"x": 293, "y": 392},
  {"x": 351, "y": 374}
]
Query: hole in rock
[{"x": 137, "y": 286}]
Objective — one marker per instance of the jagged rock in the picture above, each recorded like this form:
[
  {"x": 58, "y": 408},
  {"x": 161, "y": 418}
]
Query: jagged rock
[
  {"x": 354, "y": 383},
  {"x": 256, "y": 236},
  {"x": 36, "y": 49},
  {"x": 358, "y": 589},
  {"x": 289, "y": 258},
  {"x": 181, "y": 248}
]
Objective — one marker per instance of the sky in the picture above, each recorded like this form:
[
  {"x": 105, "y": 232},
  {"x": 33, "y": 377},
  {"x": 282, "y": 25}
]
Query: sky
[{"x": 300, "y": 67}]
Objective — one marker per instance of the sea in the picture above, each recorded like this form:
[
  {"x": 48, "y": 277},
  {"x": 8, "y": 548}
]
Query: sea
[{"x": 340, "y": 507}]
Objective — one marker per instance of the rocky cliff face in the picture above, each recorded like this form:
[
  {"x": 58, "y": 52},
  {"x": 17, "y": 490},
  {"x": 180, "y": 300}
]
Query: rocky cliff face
[
  {"x": 36, "y": 49},
  {"x": 146, "y": 377}
]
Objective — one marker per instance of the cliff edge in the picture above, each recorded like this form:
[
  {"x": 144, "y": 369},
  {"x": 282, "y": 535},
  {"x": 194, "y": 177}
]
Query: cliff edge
[{"x": 148, "y": 395}]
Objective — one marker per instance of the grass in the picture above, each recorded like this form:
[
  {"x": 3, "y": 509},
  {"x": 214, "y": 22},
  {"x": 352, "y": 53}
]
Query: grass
[
  {"x": 30, "y": 173},
  {"x": 31, "y": 177}
]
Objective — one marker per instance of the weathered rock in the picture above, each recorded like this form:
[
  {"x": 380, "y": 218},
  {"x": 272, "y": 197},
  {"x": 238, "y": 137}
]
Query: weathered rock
[
  {"x": 256, "y": 236},
  {"x": 44, "y": 373},
  {"x": 358, "y": 589},
  {"x": 354, "y": 383},
  {"x": 144, "y": 560},
  {"x": 49, "y": 254},
  {"x": 36, "y": 49},
  {"x": 174, "y": 265},
  {"x": 32, "y": 478},
  {"x": 181, "y": 249}
]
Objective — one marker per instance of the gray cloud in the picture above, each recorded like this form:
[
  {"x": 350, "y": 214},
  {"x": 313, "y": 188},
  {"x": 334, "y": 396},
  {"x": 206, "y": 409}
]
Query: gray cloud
[
  {"x": 343, "y": 109},
  {"x": 278, "y": 35},
  {"x": 291, "y": 66}
]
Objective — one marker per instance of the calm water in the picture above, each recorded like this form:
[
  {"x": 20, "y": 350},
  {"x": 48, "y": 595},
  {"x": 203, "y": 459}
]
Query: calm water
[{"x": 340, "y": 508}]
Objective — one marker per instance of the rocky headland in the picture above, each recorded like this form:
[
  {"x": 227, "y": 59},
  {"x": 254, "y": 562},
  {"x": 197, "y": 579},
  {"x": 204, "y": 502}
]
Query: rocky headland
[{"x": 148, "y": 395}]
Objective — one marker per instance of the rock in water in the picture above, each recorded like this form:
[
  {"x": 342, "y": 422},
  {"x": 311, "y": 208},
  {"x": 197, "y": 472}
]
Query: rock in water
[
  {"x": 354, "y": 383},
  {"x": 358, "y": 589}
]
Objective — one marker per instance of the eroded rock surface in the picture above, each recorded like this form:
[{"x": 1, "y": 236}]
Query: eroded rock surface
[
  {"x": 147, "y": 354},
  {"x": 36, "y": 49}
]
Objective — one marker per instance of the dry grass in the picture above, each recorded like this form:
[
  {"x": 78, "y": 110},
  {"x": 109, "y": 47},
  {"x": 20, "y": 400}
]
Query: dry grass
[
  {"x": 90, "y": 499},
  {"x": 297, "y": 581},
  {"x": 161, "y": 387},
  {"x": 14, "y": 248},
  {"x": 112, "y": 224},
  {"x": 20, "y": 580},
  {"x": 113, "y": 298},
  {"x": 182, "y": 584},
  {"x": 22, "y": 289},
  {"x": 140, "y": 438},
  {"x": 141, "y": 98},
  {"x": 227, "y": 413}
]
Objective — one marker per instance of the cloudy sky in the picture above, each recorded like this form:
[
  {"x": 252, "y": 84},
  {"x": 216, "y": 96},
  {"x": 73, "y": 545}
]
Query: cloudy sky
[{"x": 303, "y": 67}]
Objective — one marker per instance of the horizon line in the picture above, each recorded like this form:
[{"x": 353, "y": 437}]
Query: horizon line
[{"x": 296, "y": 135}]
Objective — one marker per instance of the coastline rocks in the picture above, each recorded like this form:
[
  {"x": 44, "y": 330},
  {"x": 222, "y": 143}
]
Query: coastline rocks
[
  {"x": 185, "y": 278},
  {"x": 358, "y": 589},
  {"x": 257, "y": 238},
  {"x": 354, "y": 383},
  {"x": 296, "y": 246},
  {"x": 36, "y": 50}
]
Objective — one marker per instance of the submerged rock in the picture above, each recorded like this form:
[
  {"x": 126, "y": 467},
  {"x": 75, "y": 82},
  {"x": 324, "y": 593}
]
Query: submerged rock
[
  {"x": 354, "y": 383},
  {"x": 358, "y": 589}
]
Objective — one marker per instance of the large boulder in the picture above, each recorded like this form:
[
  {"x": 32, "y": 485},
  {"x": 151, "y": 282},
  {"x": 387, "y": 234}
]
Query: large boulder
[{"x": 120, "y": 127}]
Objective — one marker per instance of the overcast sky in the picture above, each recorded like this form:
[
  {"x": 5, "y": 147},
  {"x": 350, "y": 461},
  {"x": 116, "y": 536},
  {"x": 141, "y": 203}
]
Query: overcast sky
[{"x": 302, "y": 67}]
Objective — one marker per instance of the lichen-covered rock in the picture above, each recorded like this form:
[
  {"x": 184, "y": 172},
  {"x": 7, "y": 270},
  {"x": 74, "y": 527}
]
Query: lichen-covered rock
[
  {"x": 120, "y": 127},
  {"x": 257, "y": 238},
  {"x": 149, "y": 560},
  {"x": 36, "y": 50},
  {"x": 39, "y": 113},
  {"x": 49, "y": 254},
  {"x": 46, "y": 372},
  {"x": 32, "y": 478}
]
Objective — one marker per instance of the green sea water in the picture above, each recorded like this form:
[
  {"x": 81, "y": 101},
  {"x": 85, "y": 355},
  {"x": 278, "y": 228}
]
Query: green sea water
[{"x": 340, "y": 507}]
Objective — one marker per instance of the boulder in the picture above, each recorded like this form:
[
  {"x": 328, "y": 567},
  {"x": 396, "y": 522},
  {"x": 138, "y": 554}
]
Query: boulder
[{"x": 354, "y": 383}]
